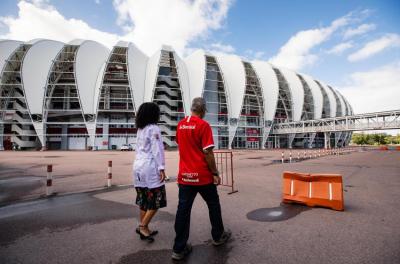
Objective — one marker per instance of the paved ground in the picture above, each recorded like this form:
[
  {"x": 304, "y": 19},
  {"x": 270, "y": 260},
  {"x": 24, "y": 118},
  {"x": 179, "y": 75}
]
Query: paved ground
[{"x": 98, "y": 226}]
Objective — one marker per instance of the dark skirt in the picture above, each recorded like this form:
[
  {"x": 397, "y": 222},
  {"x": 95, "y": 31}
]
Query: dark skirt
[{"x": 151, "y": 199}]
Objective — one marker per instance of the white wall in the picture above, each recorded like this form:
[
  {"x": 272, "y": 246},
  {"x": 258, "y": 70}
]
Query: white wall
[
  {"x": 184, "y": 82},
  {"x": 76, "y": 143},
  {"x": 118, "y": 141},
  {"x": 196, "y": 68},
  {"x": 317, "y": 95},
  {"x": 137, "y": 64},
  {"x": 151, "y": 76},
  {"x": 233, "y": 72},
  {"x": 297, "y": 92},
  {"x": 7, "y": 47},
  {"x": 89, "y": 61},
  {"x": 331, "y": 97},
  {"x": 35, "y": 70},
  {"x": 342, "y": 104},
  {"x": 270, "y": 87}
]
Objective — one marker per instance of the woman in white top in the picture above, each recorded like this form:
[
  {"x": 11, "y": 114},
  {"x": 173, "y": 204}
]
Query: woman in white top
[{"x": 148, "y": 168}]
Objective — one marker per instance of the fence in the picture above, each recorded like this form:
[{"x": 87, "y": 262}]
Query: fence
[{"x": 224, "y": 162}]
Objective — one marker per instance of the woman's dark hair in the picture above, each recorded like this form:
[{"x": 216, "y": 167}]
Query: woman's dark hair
[{"x": 148, "y": 113}]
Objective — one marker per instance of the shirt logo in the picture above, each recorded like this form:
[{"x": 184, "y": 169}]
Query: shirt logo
[
  {"x": 190, "y": 174},
  {"x": 190, "y": 180},
  {"x": 187, "y": 127}
]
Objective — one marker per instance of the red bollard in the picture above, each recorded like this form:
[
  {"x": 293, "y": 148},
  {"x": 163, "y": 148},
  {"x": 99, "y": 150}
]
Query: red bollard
[
  {"x": 109, "y": 173},
  {"x": 49, "y": 180}
]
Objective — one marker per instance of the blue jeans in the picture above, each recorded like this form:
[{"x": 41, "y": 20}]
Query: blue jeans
[{"x": 187, "y": 194}]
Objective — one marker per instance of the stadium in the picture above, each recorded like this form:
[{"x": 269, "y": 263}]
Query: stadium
[{"x": 81, "y": 95}]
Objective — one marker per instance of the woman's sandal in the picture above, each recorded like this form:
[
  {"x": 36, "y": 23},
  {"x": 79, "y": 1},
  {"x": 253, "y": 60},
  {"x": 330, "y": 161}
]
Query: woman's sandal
[
  {"x": 152, "y": 233},
  {"x": 149, "y": 238}
]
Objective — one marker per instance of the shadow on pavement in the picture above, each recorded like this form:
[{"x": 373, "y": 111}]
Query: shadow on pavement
[
  {"x": 63, "y": 212},
  {"x": 204, "y": 253},
  {"x": 13, "y": 188},
  {"x": 274, "y": 214}
]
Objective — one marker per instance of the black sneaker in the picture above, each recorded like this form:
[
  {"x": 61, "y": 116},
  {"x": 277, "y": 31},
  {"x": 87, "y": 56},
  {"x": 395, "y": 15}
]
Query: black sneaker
[
  {"x": 186, "y": 251},
  {"x": 223, "y": 239}
]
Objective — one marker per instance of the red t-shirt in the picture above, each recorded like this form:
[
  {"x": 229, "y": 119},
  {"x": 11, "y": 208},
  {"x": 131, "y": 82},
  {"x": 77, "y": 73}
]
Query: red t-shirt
[{"x": 193, "y": 135}]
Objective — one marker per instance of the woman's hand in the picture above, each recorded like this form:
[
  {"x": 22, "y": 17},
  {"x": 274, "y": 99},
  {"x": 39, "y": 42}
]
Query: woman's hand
[
  {"x": 217, "y": 180},
  {"x": 162, "y": 175}
]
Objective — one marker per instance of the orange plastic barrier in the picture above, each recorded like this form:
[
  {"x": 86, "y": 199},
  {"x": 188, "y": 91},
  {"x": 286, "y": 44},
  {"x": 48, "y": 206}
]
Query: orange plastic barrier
[
  {"x": 313, "y": 189},
  {"x": 383, "y": 148},
  {"x": 398, "y": 148}
]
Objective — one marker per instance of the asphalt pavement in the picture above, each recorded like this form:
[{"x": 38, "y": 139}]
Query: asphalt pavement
[{"x": 99, "y": 226}]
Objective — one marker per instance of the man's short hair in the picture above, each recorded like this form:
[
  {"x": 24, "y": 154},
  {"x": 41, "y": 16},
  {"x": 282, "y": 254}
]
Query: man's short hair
[{"x": 198, "y": 105}]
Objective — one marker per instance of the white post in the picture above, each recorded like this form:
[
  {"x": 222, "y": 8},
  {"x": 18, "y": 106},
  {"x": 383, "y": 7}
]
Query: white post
[{"x": 290, "y": 156}]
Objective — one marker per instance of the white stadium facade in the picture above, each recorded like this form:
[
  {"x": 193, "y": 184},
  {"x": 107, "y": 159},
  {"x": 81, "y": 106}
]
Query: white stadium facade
[{"x": 81, "y": 95}]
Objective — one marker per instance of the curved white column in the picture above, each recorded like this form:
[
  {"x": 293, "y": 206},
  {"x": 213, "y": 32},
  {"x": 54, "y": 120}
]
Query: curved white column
[
  {"x": 317, "y": 95},
  {"x": 296, "y": 90}
]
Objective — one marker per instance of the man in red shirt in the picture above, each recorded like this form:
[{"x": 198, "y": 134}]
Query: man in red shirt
[{"x": 197, "y": 174}]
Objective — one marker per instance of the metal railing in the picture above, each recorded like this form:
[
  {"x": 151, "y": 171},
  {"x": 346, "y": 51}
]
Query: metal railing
[
  {"x": 224, "y": 162},
  {"x": 369, "y": 121}
]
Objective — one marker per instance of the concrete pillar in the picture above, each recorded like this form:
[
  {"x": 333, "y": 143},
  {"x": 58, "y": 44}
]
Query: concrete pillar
[
  {"x": 67, "y": 99},
  {"x": 290, "y": 141},
  {"x": 213, "y": 109},
  {"x": 91, "y": 129},
  {"x": 326, "y": 140},
  {"x": 41, "y": 133},
  {"x": 216, "y": 136},
  {"x": 1, "y": 136},
  {"x": 338, "y": 135},
  {"x": 127, "y": 122},
  {"x": 311, "y": 139},
  {"x": 64, "y": 137},
  {"x": 266, "y": 131},
  {"x": 106, "y": 136},
  {"x": 233, "y": 124}
]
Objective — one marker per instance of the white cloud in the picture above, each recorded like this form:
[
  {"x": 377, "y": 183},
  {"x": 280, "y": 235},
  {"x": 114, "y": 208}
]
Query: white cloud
[
  {"x": 375, "y": 46},
  {"x": 219, "y": 47},
  {"x": 340, "y": 48},
  {"x": 374, "y": 90},
  {"x": 41, "y": 3},
  {"x": 362, "y": 29},
  {"x": 35, "y": 20},
  {"x": 254, "y": 55},
  {"x": 148, "y": 23},
  {"x": 151, "y": 23},
  {"x": 97, "y": 2},
  {"x": 296, "y": 53}
]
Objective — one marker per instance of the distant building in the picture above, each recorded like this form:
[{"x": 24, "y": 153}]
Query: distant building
[{"x": 81, "y": 95}]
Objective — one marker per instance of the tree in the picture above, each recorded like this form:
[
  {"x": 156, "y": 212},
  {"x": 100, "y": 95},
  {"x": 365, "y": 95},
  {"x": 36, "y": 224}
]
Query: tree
[{"x": 375, "y": 139}]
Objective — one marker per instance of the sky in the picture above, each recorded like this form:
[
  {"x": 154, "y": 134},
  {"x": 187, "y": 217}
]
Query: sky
[{"x": 353, "y": 45}]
